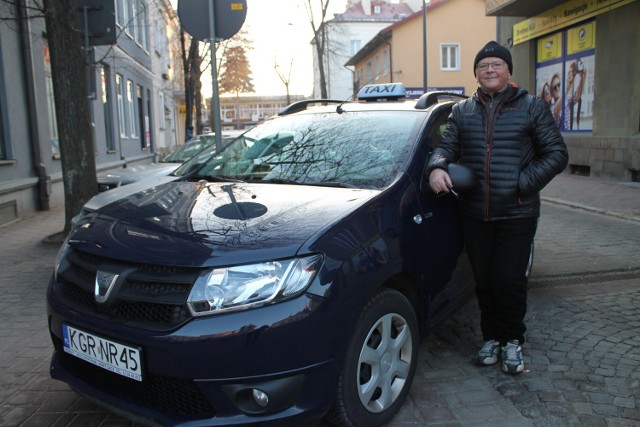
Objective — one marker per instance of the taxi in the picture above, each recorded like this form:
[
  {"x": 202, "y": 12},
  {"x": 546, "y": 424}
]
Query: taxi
[{"x": 287, "y": 278}]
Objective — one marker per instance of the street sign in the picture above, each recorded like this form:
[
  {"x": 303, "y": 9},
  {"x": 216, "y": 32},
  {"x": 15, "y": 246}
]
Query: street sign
[
  {"x": 101, "y": 21},
  {"x": 229, "y": 17}
]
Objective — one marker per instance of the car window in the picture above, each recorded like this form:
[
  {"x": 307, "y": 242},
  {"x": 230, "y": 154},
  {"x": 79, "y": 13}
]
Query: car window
[
  {"x": 199, "y": 159},
  {"x": 436, "y": 131},
  {"x": 189, "y": 149},
  {"x": 359, "y": 149}
]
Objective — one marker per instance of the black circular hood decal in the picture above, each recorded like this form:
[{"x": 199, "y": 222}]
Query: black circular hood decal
[{"x": 240, "y": 211}]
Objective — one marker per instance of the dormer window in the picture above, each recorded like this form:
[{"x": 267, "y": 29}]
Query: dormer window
[{"x": 376, "y": 8}]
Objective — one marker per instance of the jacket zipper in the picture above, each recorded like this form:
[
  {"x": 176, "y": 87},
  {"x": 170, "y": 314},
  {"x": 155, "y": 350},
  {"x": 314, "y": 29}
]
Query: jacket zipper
[{"x": 489, "y": 133}]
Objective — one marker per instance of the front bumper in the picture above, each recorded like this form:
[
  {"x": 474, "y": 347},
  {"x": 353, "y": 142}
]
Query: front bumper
[{"x": 205, "y": 372}]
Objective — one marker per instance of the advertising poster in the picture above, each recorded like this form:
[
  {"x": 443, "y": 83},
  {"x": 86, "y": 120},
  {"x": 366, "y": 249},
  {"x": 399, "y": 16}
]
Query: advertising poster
[{"x": 565, "y": 68}]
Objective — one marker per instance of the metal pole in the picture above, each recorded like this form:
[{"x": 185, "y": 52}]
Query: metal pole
[
  {"x": 425, "y": 86},
  {"x": 215, "y": 98}
]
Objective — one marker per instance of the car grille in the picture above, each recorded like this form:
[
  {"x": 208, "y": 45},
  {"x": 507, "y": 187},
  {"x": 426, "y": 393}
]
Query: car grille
[
  {"x": 174, "y": 395},
  {"x": 152, "y": 297}
]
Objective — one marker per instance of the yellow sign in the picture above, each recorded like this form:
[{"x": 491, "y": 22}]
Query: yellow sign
[
  {"x": 236, "y": 6},
  {"x": 550, "y": 47},
  {"x": 562, "y": 16},
  {"x": 581, "y": 38}
]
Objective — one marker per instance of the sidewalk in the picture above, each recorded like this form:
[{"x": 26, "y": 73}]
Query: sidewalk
[{"x": 612, "y": 198}]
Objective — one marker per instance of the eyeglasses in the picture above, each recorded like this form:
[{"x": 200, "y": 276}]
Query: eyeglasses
[
  {"x": 498, "y": 65},
  {"x": 556, "y": 86}
]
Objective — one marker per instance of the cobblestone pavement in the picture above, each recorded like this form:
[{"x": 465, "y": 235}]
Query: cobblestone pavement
[{"x": 582, "y": 356}]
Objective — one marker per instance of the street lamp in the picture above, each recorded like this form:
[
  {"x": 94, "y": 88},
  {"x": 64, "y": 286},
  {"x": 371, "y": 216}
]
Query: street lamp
[{"x": 425, "y": 86}]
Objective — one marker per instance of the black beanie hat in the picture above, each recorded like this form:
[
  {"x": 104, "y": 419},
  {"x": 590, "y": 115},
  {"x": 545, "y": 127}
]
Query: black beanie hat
[{"x": 493, "y": 49}]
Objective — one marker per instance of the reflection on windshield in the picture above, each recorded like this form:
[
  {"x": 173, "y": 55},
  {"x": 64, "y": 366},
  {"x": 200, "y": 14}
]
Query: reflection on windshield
[
  {"x": 352, "y": 149},
  {"x": 189, "y": 149}
]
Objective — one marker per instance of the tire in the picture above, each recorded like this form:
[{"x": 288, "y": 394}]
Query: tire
[{"x": 380, "y": 363}]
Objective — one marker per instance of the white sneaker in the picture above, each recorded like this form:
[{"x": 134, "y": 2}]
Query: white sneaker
[
  {"x": 512, "y": 362},
  {"x": 489, "y": 353}
]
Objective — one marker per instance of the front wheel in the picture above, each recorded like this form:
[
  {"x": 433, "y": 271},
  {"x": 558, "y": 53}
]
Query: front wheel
[{"x": 379, "y": 364}]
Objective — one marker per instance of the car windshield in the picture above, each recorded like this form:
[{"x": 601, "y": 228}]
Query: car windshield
[
  {"x": 354, "y": 149},
  {"x": 189, "y": 149},
  {"x": 196, "y": 161}
]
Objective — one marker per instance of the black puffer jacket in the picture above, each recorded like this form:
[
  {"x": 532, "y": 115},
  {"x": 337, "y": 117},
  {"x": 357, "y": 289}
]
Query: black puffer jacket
[{"x": 514, "y": 146}]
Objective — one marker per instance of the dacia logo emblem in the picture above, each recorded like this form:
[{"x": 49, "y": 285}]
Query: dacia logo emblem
[{"x": 105, "y": 282}]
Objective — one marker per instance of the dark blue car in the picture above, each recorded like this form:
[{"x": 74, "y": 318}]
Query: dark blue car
[{"x": 289, "y": 278}]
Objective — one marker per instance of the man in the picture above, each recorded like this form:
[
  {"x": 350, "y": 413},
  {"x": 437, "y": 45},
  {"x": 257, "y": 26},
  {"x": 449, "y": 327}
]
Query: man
[{"x": 511, "y": 141}]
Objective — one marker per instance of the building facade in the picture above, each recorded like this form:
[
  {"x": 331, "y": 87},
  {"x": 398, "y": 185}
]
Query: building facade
[
  {"x": 135, "y": 91},
  {"x": 345, "y": 35},
  {"x": 450, "y": 49},
  {"x": 584, "y": 54},
  {"x": 245, "y": 111}
]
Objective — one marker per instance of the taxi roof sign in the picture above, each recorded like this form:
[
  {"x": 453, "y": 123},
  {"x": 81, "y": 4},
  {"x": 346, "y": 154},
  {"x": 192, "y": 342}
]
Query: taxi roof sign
[{"x": 385, "y": 91}]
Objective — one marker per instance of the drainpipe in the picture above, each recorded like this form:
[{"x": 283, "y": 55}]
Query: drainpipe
[
  {"x": 390, "y": 61},
  {"x": 44, "y": 180}
]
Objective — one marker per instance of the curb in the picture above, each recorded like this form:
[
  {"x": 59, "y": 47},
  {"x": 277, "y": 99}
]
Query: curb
[{"x": 629, "y": 217}]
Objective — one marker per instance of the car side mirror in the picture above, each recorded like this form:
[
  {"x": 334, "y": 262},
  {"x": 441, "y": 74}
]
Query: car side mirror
[{"x": 463, "y": 177}]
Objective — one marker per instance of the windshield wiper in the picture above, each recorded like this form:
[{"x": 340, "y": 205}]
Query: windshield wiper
[
  {"x": 277, "y": 181},
  {"x": 313, "y": 183},
  {"x": 334, "y": 184},
  {"x": 215, "y": 178}
]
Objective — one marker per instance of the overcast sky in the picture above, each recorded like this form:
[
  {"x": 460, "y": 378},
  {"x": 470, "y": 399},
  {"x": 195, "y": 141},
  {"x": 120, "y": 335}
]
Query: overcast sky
[{"x": 280, "y": 31}]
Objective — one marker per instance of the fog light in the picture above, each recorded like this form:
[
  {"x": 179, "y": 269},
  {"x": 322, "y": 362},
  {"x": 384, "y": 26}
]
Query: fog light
[{"x": 260, "y": 397}]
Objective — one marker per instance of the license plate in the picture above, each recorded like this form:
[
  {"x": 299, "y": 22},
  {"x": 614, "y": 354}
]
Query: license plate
[{"x": 110, "y": 355}]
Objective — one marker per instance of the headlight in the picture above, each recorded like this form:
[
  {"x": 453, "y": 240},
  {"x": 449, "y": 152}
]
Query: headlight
[
  {"x": 60, "y": 257},
  {"x": 245, "y": 286}
]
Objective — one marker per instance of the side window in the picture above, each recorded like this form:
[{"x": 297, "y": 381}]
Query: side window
[{"x": 436, "y": 130}]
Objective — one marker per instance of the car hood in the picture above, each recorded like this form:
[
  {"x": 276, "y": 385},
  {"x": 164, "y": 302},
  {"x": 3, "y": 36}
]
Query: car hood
[
  {"x": 136, "y": 173},
  {"x": 206, "y": 224}
]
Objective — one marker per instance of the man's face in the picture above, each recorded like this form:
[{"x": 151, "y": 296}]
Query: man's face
[
  {"x": 555, "y": 88},
  {"x": 493, "y": 74}
]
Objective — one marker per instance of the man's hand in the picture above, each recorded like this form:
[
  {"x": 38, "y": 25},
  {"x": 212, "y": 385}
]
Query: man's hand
[{"x": 439, "y": 181}]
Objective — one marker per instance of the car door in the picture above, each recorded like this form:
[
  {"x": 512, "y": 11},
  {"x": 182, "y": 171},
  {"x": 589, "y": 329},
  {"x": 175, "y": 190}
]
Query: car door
[{"x": 446, "y": 268}]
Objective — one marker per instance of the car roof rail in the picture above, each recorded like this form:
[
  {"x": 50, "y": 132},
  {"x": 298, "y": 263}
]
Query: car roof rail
[
  {"x": 302, "y": 105},
  {"x": 432, "y": 98}
]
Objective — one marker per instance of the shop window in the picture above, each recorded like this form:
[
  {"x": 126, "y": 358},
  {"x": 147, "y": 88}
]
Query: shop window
[
  {"x": 51, "y": 104},
  {"x": 131, "y": 107},
  {"x": 121, "y": 114},
  {"x": 107, "y": 106},
  {"x": 565, "y": 68}
]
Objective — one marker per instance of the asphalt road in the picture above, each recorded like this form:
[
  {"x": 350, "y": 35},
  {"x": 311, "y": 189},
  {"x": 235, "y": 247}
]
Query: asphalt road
[{"x": 582, "y": 356}]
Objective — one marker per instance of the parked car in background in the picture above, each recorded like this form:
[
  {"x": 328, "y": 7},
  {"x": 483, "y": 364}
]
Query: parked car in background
[
  {"x": 287, "y": 277},
  {"x": 124, "y": 176}
]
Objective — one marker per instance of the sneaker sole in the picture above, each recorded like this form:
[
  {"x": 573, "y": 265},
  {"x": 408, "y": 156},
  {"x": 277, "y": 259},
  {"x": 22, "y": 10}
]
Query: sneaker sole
[
  {"x": 485, "y": 363},
  {"x": 513, "y": 369}
]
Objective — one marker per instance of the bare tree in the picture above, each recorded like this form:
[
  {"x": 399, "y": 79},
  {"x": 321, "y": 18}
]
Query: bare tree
[
  {"x": 192, "y": 65},
  {"x": 69, "y": 73},
  {"x": 317, "y": 14},
  {"x": 285, "y": 79}
]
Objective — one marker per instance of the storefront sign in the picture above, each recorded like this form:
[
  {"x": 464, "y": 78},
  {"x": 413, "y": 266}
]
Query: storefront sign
[
  {"x": 581, "y": 38},
  {"x": 550, "y": 47},
  {"x": 562, "y": 16}
]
